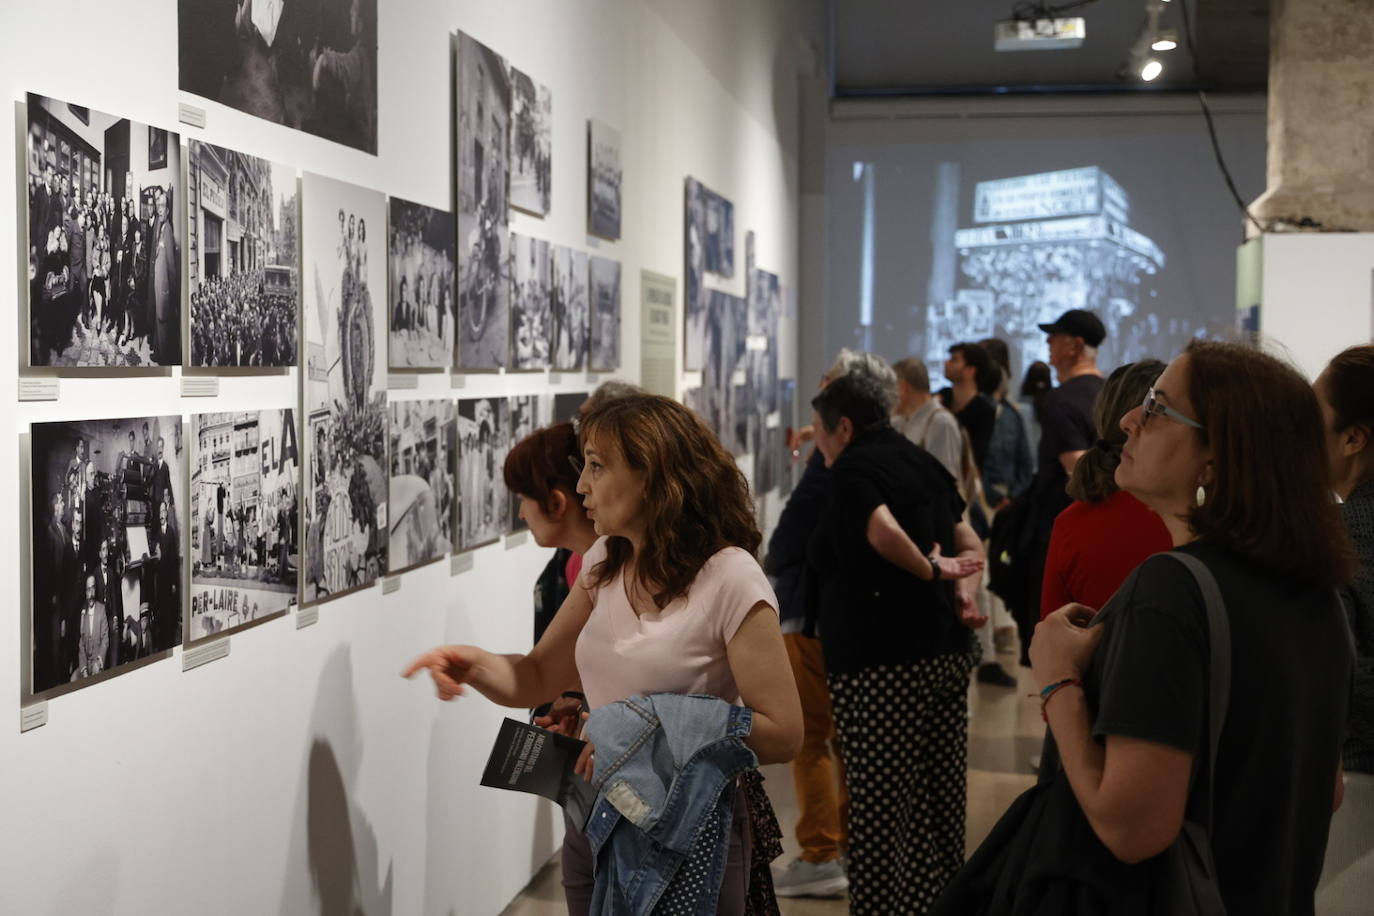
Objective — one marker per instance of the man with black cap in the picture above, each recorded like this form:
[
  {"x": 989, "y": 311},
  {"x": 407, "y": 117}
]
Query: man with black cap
[{"x": 1067, "y": 432}]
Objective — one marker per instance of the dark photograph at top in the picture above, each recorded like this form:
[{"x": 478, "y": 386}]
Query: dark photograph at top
[{"x": 308, "y": 64}]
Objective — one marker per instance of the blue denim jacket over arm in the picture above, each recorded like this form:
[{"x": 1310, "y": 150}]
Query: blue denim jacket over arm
[{"x": 665, "y": 769}]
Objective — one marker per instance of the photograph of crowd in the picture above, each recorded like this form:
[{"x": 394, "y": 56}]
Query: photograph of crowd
[
  {"x": 107, "y": 527},
  {"x": 421, "y": 286},
  {"x": 603, "y": 180},
  {"x": 103, "y": 239},
  {"x": 245, "y": 515},
  {"x": 344, "y": 388},
  {"x": 483, "y": 441},
  {"x": 694, "y": 271},
  {"x": 311, "y": 66},
  {"x": 243, "y": 235},
  {"x": 531, "y": 144},
  {"x": 424, "y": 440},
  {"x": 530, "y": 310},
  {"x": 569, "y": 298},
  {"x": 528, "y": 412},
  {"x": 483, "y": 97},
  {"x": 605, "y": 315}
]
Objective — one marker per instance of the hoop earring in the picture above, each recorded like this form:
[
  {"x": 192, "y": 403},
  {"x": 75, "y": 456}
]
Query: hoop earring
[{"x": 1201, "y": 496}]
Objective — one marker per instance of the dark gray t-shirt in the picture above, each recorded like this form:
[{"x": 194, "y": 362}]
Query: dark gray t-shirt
[{"x": 1291, "y": 681}]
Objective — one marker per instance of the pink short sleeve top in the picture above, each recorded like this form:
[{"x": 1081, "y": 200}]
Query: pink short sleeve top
[{"x": 680, "y": 649}]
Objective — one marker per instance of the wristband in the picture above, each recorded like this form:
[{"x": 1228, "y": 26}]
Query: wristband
[
  {"x": 1051, "y": 690},
  {"x": 935, "y": 572}
]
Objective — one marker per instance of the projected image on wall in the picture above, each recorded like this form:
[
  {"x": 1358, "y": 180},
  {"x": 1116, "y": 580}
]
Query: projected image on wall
[
  {"x": 1038, "y": 245},
  {"x": 943, "y": 229}
]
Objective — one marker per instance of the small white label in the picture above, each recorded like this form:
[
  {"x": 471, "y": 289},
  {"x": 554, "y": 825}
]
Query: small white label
[
  {"x": 200, "y": 386},
  {"x": 458, "y": 381},
  {"x": 33, "y": 716},
  {"x": 402, "y": 382},
  {"x": 516, "y": 539},
  {"x": 758, "y": 342},
  {"x": 190, "y": 114},
  {"x": 307, "y": 617},
  {"x": 555, "y": 378},
  {"x": 38, "y": 388},
  {"x": 391, "y": 584},
  {"x": 739, "y": 378},
  {"x": 592, "y": 377},
  {"x": 203, "y": 655},
  {"x": 461, "y": 563}
]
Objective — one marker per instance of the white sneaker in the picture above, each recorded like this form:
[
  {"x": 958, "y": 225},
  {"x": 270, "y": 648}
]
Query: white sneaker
[{"x": 810, "y": 879}]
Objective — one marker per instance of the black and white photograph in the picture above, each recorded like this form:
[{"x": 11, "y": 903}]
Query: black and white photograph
[
  {"x": 528, "y": 412},
  {"x": 482, "y": 142},
  {"x": 603, "y": 180},
  {"x": 104, "y": 239},
  {"x": 569, "y": 311},
  {"x": 726, "y": 327},
  {"x": 344, "y": 387},
  {"x": 310, "y": 66},
  {"x": 424, "y": 440},
  {"x": 694, "y": 270},
  {"x": 531, "y": 144},
  {"x": 765, "y": 303},
  {"x": 787, "y": 401},
  {"x": 483, "y": 442},
  {"x": 108, "y": 516},
  {"x": 245, "y": 518},
  {"x": 567, "y": 406},
  {"x": 420, "y": 284},
  {"x": 604, "y": 353},
  {"x": 243, "y": 234},
  {"x": 530, "y": 315}
]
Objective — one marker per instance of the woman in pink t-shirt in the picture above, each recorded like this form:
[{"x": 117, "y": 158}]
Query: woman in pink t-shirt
[{"x": 670, "y": 598}]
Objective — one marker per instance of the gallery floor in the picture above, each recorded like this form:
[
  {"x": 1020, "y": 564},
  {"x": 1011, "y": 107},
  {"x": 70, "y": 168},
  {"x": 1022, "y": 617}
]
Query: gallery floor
[{"x": 1004, "y": 732}]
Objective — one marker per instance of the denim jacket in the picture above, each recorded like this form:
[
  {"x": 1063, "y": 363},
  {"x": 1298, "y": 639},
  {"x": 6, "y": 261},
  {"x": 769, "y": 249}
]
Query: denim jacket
[{"x": 665, "y": 772}]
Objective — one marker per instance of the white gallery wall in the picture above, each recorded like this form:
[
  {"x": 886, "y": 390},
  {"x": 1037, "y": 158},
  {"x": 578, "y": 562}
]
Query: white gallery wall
[{"x": 301, "y": 774}]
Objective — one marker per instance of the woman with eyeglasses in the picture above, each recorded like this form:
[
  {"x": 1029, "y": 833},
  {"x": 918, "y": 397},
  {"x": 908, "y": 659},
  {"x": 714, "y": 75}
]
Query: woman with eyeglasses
[
  {"x": 1106, "y": 532},
  {"x": 670, "y": 598},
  {"x": 1222, "y": 449}
]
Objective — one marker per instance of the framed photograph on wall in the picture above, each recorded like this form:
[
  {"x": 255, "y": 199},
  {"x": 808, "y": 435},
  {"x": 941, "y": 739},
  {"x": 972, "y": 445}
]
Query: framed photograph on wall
[
  {"x": 243, "y": 230},
  {"x": 531, "y": 145},
  {"x": 604, "y": 276},
  {"x": 109, "y": 516},
  {"x": 482, "y": 144},
  {"x": 424, "y": 441},
  {"x": 604, "y": 177},
  {"x": 245, "y": 505},
  {"x": 483, "y": 442},
  {"x": 104, "y": 237},
  {"x": 420, "y": 286},
  {"x": 344, "y": 388}
]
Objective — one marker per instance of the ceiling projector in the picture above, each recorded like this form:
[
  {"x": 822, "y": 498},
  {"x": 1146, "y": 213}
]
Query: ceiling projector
[{"x": 1039, "y": 34}]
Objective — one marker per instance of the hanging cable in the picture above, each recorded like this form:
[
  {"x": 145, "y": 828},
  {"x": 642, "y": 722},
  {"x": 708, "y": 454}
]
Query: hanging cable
[{"x": 1211, "y": 127}]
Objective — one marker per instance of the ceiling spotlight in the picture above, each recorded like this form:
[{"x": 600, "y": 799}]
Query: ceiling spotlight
[
  {"x": 1166, "y": 40},
  {"x": 1152, "y": 69}
]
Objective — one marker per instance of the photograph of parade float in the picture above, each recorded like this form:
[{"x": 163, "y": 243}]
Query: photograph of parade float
[
  {"x": 244, "y": 518},
  {"x": 345, "y": 395}
]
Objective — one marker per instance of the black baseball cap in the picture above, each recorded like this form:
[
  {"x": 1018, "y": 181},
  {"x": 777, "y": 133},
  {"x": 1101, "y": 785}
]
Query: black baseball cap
[{"x": 1078, "y": 323}]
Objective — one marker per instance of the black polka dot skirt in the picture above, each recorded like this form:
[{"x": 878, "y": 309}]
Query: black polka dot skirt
[{"x": 903, "y": 732}]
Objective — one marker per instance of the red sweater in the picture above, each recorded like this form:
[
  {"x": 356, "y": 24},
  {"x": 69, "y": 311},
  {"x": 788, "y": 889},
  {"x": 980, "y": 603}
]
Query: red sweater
[{"x": 1095, "y": 546}]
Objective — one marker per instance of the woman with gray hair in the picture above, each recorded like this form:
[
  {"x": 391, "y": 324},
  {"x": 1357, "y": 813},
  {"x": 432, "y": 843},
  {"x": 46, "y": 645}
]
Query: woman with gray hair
[
  {"x": 822, "y": 830},
  {"x": 891, "y": 603}
]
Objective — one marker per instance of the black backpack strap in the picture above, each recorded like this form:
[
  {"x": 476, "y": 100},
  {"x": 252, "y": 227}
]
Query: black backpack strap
[{"x": 1219, "y": 674}]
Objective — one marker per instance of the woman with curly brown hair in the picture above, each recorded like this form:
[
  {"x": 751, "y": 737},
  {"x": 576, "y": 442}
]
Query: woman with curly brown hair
[{"x": 670, "y": 599}]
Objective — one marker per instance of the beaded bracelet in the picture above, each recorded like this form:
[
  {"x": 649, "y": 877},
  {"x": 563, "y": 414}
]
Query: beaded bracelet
[{"x": 1052, "y": 689}]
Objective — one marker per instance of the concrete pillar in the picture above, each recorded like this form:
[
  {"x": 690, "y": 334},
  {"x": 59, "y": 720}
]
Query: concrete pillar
[{"x": 1321, "y": 118}]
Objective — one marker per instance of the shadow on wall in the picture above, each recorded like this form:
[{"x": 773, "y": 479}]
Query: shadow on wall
[{"x": 333, "y": 867}]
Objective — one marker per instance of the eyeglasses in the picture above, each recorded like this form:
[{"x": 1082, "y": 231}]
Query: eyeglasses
[{"x": 1151, "y": 407}]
